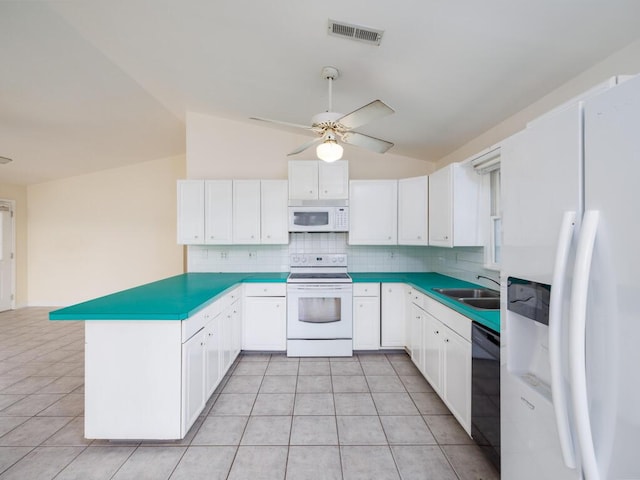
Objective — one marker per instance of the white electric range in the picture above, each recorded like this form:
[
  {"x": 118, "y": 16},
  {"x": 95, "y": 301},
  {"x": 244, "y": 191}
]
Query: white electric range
[{"x": 319, "y": 306}]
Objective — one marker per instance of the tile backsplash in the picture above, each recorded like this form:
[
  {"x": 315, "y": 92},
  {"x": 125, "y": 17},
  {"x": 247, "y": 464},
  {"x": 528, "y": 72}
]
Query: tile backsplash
[{"x": 461, "y": 262}]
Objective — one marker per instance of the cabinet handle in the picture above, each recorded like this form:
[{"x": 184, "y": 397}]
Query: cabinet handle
[
  {"x": 211, "y": 334},
  {"x": 446, "y": 340},
  {"x": 437, "y": 332}
]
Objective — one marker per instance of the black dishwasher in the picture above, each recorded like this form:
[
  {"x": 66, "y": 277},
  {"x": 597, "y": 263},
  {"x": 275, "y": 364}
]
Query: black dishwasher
[{"x": 485, "y": 391}]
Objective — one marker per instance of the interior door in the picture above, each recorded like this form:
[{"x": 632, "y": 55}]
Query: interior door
[{"x": 6, "y": 260}]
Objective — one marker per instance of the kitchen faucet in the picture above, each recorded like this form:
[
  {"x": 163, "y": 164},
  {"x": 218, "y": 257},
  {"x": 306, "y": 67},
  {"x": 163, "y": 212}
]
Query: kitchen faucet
[{"x": 488, "y": 278}]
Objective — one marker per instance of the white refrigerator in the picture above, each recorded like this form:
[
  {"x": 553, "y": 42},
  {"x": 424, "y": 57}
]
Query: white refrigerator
[{"x": 570, "y": 351}]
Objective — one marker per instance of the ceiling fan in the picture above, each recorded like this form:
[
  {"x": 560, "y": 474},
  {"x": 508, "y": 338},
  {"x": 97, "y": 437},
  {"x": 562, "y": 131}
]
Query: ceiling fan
[{"x": 330, "y": 125}]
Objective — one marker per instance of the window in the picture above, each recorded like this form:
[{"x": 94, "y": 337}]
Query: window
[
  {"x": 494, "y": 249},
  {"x": 488, "y": 164}
]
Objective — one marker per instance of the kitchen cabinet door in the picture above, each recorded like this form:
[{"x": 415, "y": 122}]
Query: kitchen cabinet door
[
  {"x": 313, "y": 180},
  {"x": 303, "y": 179},
  {"x": 218, "y": 212},
  {"x": 264, "y": 324},
  {"x": 274, "y": 225},
  {"x": 191, "y": 212},
  {"x": 413, "y": 199},
  {"x": 246, "y": 211},
  {"x": 366, "y": 323},
  {"x": 457, "y": 376},
  {"x": 416, "y": 338},
  {"x": 333, "y": 180},
  {"x": 432, "y": 347},
  {"x": 455, "y": 204},
  {"x": 236, "y": 327},
  {"x": 193, "y": 381},
  {"x": 392, "y": 315},
  {"x": 373, "y": 212},
  {"x": 212, "y": 345}
]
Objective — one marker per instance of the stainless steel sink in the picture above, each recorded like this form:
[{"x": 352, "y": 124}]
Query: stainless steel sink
[
  {"x": 468, "y": 292},
  {"x": 485, "y": 303},
  {"x": 479, "y": 298}
]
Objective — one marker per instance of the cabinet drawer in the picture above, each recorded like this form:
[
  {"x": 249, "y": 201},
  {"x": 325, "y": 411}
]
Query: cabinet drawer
[
  {"x": 265, "y": 289},
  {"x": 418, "y": 298},
  {"x": 191, "y": 325},
  {"x": 366, "y": 289},
  {"x": 452, "y": 319}
]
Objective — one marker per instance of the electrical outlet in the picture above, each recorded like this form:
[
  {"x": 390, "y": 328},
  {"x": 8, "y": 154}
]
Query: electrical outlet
[
  {"x": 253, "y": 254},
  {"x": 392, "y": 254},
  {"x": 224, "y": 255}
]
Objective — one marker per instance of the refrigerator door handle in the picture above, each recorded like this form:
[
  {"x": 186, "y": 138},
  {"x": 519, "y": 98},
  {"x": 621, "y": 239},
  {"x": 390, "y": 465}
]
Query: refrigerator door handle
[
  {"x": 577, "y": 347},
  {"x": 561, "y": 395}
]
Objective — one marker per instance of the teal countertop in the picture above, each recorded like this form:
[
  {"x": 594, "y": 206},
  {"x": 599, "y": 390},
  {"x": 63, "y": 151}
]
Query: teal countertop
[
  {"x": 178, "y": 297},
  {"x": 426, "y": 282},
  {"x": 174, "y": 298}
]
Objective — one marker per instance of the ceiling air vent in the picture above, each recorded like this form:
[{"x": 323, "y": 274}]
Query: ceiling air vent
[{"x": 355, "y": 32}]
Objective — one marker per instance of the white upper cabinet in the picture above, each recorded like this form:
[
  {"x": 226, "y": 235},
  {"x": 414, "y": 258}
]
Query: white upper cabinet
[
  {"x": 313, "y": 180},
  {"x": 218, "y": 211},
  {"x": 246, "y": 211},
  {"x": 413, "y": 213},
  {"x": 190, "y": 212},
  {"x": 373, "y": 212},
  {"x": 333, "y": 180},
  {"x": 455, "y": 205},
  {"x": 273, "y": 206}
]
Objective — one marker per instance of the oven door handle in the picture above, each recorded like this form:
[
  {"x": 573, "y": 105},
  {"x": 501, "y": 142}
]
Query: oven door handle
[
  {"x": 320, "y": 288},
  {"x": 319, "y": 321}
]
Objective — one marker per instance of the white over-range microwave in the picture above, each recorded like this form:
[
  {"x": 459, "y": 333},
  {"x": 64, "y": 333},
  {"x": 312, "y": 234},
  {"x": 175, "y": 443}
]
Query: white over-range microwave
[{"x": 318, "y": 216}]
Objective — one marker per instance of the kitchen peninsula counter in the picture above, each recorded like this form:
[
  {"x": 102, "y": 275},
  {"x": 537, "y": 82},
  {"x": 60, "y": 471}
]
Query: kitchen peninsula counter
[{"x": 173, "y": 298}]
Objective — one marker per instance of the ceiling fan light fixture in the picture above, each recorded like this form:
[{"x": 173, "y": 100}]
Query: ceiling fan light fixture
[{"x": 329, "y": 151}]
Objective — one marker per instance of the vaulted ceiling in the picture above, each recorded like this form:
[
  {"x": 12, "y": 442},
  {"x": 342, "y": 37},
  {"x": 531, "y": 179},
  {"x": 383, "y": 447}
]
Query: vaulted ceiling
[{"x": 89, "y": 85}]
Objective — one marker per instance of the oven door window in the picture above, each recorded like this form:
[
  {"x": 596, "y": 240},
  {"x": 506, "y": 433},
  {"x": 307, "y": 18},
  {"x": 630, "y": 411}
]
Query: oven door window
[
  {"x": 319, "y": 310},
  {"x": 311, "y": 219}
]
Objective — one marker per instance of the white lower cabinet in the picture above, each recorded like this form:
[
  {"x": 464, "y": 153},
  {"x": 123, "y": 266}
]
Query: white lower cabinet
[
  {"x": 265, "y": 318},
  {"x": 416, "y": 336},
  {"x": 392, "y": 315},
  {"x": 440, "y": 345},
  {"x": 432, "y": 341},
  {"x": 193, "y": 377},
  {"x": 456, "y": 370},
  {"x": 212, "y": 354},
  {"x": 366, "y": 316}
]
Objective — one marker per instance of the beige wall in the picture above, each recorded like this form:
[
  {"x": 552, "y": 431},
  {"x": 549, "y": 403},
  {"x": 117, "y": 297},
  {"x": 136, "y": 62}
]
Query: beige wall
[
  {"x": 99, "y": 233},
  {"x": 625, "y": 62},
  {"x": 18, "y": 193},
  {"x": 220, "y": 148}
]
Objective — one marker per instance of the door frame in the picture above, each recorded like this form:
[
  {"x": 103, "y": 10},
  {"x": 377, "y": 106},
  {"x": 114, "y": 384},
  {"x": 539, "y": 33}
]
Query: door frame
[{"x": 12, "y": 263}]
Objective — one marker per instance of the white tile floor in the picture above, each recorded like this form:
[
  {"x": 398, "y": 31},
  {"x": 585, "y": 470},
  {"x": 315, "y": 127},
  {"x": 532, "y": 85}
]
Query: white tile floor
[{"x": 370, "y": 416}]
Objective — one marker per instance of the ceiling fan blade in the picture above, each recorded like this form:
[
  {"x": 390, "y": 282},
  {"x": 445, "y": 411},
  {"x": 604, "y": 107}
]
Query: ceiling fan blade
[
  {"x": 304, "y": 146},
  {"x": 361, "y": 140},
  {"x": 284, "y": 124},
  {"x": 368, "y": 113}
]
